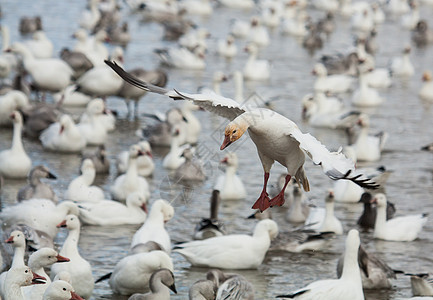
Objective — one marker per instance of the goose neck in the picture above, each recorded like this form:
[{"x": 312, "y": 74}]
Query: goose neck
[
  {"x": 350, "y": 266},
  {"x": 329, "y": 210},
  {"x": 13, "y": 292},
  {"x": 88, "y": 176},
  {"x": 131, "y": 172},
  {"x": 239, "y": 88},
  {"x": 18, "y": 259},
  {"x": 70, "y": 246},
  {"x": 5, "y": 37},
  {"x": 217, "y": 87},
  {"x": 17, "y": 144},
  {"x": 380, "y": 217}
]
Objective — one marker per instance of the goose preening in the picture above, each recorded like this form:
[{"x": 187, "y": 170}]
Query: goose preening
[
  {"x": 44, "y": 257},
  {"x": 14, "y": 162},
  {"x": 63, "y": 136},
  {"x": 109, "y": 212},
  {"x": 19, "y": 277},
  {"x": 133, "y": 272},
  {"x": 349, "y": 286},
  {"x": 60, "y": 290},
  {"x": 130, "y": 181},
  {"x": 375, "y": 273},
  {"x": 426, "y": 91},
  {"x": 35, "y": 187},
  {"x": 145, "y": 164},
  {"x": 194, "y": 38},
  {"x": 367, "y": 220},
  {"x": 11, "y": 101},
  {"x": 40, "y": 214},
  {"x": 81, "y": 189},
  {"x": 210, "y": 227},
  {"x": 236, "y": 251},
  {"x": 260, "y": 122},
  {"x": 405, "y": 228},
  {"x": 230, "y": 184},
  {"x": 48, "y": 74},
  {"x": 153, "y": 228},
  {"x": 230, "y": 285},
  {"x": 421, "y": 284},
  {"x": 160, "y": 284},
  {"x": 79, "y": 268},
  {"x": 203, "y": 289},
  {"x": 190, "y": 169}
]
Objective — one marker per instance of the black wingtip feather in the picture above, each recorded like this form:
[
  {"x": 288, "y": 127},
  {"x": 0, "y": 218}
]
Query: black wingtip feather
[
  {"x": 364, "y": 183},
  {"x": 105, "y": 277},
  {"x": 126, "y": 76}
]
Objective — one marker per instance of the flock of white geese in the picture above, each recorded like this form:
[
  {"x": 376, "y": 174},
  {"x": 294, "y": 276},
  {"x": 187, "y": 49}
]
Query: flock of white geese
[{"x": 41, "y": 85}]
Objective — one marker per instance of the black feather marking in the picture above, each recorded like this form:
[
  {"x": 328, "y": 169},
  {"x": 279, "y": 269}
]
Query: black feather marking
[
  {"x": 105, "y": 277},
  {"x": 291, "y": 296}
]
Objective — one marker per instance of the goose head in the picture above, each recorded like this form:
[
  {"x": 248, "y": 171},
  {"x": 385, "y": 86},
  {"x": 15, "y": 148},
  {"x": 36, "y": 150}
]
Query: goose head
[
  {"x": 145, "y": 148},
  {"x": 96, "y": 107},
  {"x": 61, "y": 290},
  {"x": 231, "y": 159},
  {"x": 17, "y": 239},
  {"x": 233, "y": 131},
  {"x": 23, "y": 276},
  {"x": 135, "y": 151},
  {"x": 80, "y": 35},
  {"x": 165, "y": 276},
  {"x": 268, "y": 225},
  {"x": 71, "y": 222},
  {"x": 251, "y": 48},
  {"x": 427, "y": 76},
  {"x": 353, "y": 241},
  {"x": 39, "y": 172},
  {"x": 45, "y": 257},
  {"x": 65, "y": 123},
  {"x": 117, "y": 55},
  {"x": 319, "y": 70},
  {"x": 162, "y": 206},
  {"x": 21, "y": 100},
  {"x": 380, "y": 200},
  {"x": 218, "y": 77},
  {"x": 330, "y": 198},
  {"x": 137, "y": 200},
  {"x": 16, "y": 117}
]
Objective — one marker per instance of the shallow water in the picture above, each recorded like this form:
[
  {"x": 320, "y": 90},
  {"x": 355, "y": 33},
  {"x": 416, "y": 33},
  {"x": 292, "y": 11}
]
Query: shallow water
[{"x": 407, "y": 120}]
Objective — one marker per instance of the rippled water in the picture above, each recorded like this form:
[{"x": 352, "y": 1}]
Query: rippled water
[{"x": 407, "y": 120}]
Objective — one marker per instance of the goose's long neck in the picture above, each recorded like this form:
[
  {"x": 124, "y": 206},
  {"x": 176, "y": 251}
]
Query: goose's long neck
[
  {"x": 351, "y": 267},
  {"x": 18, "y": 260},
  {"x": 252, "y": 57},
  {"x": 380, "y": 217},
  {"x": 174, "y": 144},
  {"x": 17, "y": 143},
  {"x": 70, "y": 246},
  {"x": 329, "y": 211},
  {"x": 35, "y": 180},
  {"x": 5, "y": 38},
  {"x": 156, "y": 216},
  {"x": 239, "y": 88},
  {"x": 131, "y": 173},
  {"x": 217, "y": 87},
  {"x": 159, "y": 289},
  {"x": 88, "y": 176},
  {"x": 406, "y": 59},
  {"x": 230, "y": 172},
  {"x": 362, "y": 82},
  {"x": 13, "y": 291}
]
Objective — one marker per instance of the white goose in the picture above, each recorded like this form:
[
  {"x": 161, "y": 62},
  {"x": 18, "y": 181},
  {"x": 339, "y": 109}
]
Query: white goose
[
  {"x": 193, "y": 126},
  {"x": 239, "y": 4},
  {"x": 426, "y": 91},
  {"x": 40, "y": 45},
  {"x": 236, "y": 251},
  {"x": 404, "y": 229},
  {"x": 182, "y": 58},
  {"x": 402, "y": 66},
  {"x": 8, "y": 61},
  {"x": 194, "y": 38},
  {"x": 368, "y": 147},
  {"x": 60, "y": 290},
  {"x": 272, "y": 133},
  {"x": 197, "y": 7},
  {"x": 227, "y": 47},
  {"x": 255, "y": 69},
  {"x": 258, "y": 34},
  {"x": 325, "y": 221},
  {"x": 90, "y": 17},
  {"x": 160, "y": 284},
  {"x": 63, "y": 136},
  {"x": 411, "y": 19},
  {"x": 296, "y": 26},
  {"x": 299, "y": 210},
  {"x": 49, "y": 74},
  {"x": 14, "y": 162},
  {"x": 230, "y": 185},
  {"x": 145, "y": 164},
  {"x": 174, "y": 158},
  {"x": 109, "y": 212},
  {"x": 40, "y": 214},
  {"x": 19, "y": 277},
  {"x": 81, "y": 189},
  {"x": 366, "y": 96},
  {"x": 13, "y": 100},
  {"x": 92, "y": 117},
  {"x": 378, "y": 78},
  {"x": 153, "y": 228},
  {"x": 349, "y": 286},
  {"x": 239, "y": 28},
  {"x": 333, "y": 83},
  {"x": 94, "y": 130},
  {"x": 132, "y": 273},
  {"x": 71, "y": 97},
  {"x": 99, "y": 81},
  {"x": 79, "y": 268},
  {"x": 130, "y": 182},
  {"x": 38, "y": 260}
]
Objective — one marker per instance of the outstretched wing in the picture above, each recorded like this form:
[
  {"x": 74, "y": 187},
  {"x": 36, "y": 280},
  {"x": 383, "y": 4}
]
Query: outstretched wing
[
  {"x": 334, "y": 164},
  {"x": 222, "y": 106}
]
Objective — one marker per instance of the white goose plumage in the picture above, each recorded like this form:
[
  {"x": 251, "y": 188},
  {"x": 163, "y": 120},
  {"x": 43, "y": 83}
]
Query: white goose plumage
[
  {"x": 236, "y": 251},
  {"x": 13, "y": 100},
  {"x": 145, "y": 164},
  {"x": 14, "y": 162},
  {"x": 405, "y": 228},
  {"x": 349, "y": 286},
  {"x": 276, "y": 137},
  {"x": 230, "y": 185}
]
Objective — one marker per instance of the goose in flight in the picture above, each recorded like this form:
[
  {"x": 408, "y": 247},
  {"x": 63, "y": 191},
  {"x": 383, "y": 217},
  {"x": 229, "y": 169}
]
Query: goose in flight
[{"x": 276, "y": 137}]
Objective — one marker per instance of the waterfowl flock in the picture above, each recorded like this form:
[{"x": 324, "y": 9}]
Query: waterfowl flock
[{"x": 137, "y": 136}]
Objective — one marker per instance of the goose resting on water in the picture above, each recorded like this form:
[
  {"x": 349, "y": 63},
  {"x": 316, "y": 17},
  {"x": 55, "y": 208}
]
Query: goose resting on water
[{"x": 276, "y": 137}]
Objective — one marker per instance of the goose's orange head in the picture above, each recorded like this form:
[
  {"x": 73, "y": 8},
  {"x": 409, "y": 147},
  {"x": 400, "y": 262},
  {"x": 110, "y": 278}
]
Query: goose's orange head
[{"x": 232, "y": 133}]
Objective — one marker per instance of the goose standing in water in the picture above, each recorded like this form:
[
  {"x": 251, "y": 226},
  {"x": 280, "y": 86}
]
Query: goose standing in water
[
  {"x": 145, "y": 164},
  {"x": 368, "y": 218},
  {"x": 99, "y": 158},
  {"x": 255, "y": 69},
  {"x": 210, "y": 227},
  {"x": 93, "y": 128},
  {"x": 35, "y": 188},
  {"x": 190, "y": 170},
  {"x": 426, "y": 91},
  {"x": 259, "y": 122},
  {"x": 10, "y": 102},
  {"x": 349, "y": 286},
  {"x": 402, "y": 66},
  {"x": 230, "y": 185},
  {"x": 368, "y": 147},
  {"x": 159, "y": 284},
  {"x": 174, "y": 159},
  {"x": 78, "y": 267},
  {"x": 14, "y": 162}
]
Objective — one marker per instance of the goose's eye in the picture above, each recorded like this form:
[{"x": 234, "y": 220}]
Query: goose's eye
[
  {"x": 64, "y": 289},
  {"x": 27, "y": 271},
  {"x": 49, "y": 256},
  {"x": 234, "y": 131}
]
